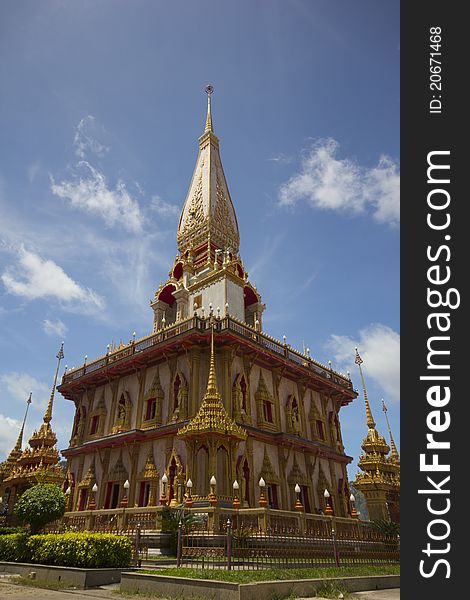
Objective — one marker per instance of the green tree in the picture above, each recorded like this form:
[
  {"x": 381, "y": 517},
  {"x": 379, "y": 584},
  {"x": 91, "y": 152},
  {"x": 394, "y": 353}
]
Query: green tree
[
  {"x": 41, "y": 504},
  {"x": 386, "y": 527}
]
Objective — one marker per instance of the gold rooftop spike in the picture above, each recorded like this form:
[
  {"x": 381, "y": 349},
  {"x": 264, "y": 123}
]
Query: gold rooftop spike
[
  {"x": 370, "y": 420},
  {"x": 394, "y": 453},
  {"x": 9, "y": 464},
  {"x": 209, "y": 92},
  {"x": 212, "y": 416}
]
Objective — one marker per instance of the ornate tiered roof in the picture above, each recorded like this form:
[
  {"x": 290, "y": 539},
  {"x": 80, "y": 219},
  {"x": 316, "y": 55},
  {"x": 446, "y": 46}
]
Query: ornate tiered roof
[
  {"x": 39, "y": 462},
  {"x": 378, "y": 468},
  {"x": 212, "y": 418}
]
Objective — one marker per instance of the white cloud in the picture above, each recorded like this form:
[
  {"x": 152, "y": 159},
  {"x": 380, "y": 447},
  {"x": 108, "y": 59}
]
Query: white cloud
[
  {"x": 57, "y": 328},
  {"x": 164, "y": 209},
  {"x": 35, "y": 277},
  {"x": 281, "y": 159},
  {"x": 91, "y": 194},
  {"x": 85, "y": 139},
  {"x": 341, "y": 184},
  {"x": 379, "y": 347},
  {"x": 33, "y": 170},
  {"x": 9, "y": 430},
  {"x": 19, "y": 385}
]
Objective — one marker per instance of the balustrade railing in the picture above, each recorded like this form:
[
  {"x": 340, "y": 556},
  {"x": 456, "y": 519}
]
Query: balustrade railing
[{"x": 199, "y": 324}]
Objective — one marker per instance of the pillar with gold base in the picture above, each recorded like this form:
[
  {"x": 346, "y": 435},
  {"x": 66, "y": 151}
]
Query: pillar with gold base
[
  {"x": 189, "y": 500},
  {"x": 354, "y": 514},
  {"x": 163, "y": 498},
  {"x": 125, "y": 498},
  {"x": 262, "y": 498},
  {"x": 212, "y": 494},
  {"x": 298, "y": 504},
  {"x": 328, "y": 507},
  {"x": 91, "y": 500}
]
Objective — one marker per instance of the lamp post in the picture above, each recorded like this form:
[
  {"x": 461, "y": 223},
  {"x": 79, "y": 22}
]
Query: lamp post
[
  {"x": 212, "y": 495},
  {"x": 328, "y": 508},
  {"x": 92, "y": 502},
  {"x": 68, "y": 493},
  {"x": 262, "y": 498},
  {"x": 354, "y": 513},
  {"x": 125, "y": 499},
  {"x": 236, "y": 499},
  {"x": 163, "y": 499},
  {"x": 298, "y": 504},
  {"x": 189, "y": 500}
]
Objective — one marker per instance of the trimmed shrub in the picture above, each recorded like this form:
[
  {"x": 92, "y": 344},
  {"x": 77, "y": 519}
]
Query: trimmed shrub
[
  {"x": 9, "y": 530},
  {"x": 14, "y": 547},
  {"x": 40, "y": 505},
  {"x": 86, "y": 550}
]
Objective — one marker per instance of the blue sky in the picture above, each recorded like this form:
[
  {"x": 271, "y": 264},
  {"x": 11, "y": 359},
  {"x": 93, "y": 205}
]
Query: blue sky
[{"x": 101, "y": 107}]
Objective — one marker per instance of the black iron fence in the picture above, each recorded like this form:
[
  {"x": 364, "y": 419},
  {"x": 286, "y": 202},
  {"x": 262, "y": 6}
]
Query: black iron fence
[{"x": 243, "y": 549}]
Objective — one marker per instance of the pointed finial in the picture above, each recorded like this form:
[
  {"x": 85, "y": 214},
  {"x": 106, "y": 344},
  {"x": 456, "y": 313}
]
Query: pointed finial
[
  {"x": 370, "y": 420},
  {"x": 209, "y": 92},
  {"x": 212, "y": 380},
  {"x": 19, "y": 441},
  {"x": 394, "y": 453},
  {"x": 48, "y": 414}
]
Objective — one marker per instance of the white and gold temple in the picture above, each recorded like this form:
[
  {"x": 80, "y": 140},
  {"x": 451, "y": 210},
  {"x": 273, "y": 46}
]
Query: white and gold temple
[{"x": 208, "y": 393}]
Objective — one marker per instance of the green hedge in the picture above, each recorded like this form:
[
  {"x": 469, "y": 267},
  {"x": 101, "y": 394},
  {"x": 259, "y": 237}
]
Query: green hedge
[
  {"x": 14, "y": 547},
  {"x": 9, "y": 530},
  {"x": 87, "y": 550}
]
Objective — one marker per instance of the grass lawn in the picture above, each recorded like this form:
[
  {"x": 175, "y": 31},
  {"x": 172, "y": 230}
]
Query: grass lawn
[{"x": 274, "y": 574}]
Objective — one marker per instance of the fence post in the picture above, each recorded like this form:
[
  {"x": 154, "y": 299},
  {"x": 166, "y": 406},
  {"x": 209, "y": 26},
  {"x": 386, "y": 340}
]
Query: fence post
[
  {"x": 335, "y": 547},
  {"x": 137, "y": 546},
  {"x": 229, "y": 545},
  {"x": 179, "y": 543}
]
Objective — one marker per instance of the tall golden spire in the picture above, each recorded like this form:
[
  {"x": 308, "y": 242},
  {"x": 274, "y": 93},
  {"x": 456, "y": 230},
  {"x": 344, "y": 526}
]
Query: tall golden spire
[
  {"x": 208, "y": 216},
  {"x": 19, "y": 441},
  {"x": 48, "y": 414},
  {"x": 209, "y": 92},
  {"x": 10, "y": 463},
  {"x": 211, "y": 389},
  {"x": 369, "y": 417},
  {"x": 394, "y": 453}
]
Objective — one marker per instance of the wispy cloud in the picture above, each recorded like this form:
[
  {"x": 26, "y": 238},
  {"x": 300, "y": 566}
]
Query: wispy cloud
[
  {"x": 265, "y": 254},
  {"x": 92, "y": 194},
  {"x": 56, "y": 328},
  {"x": 281, "y": 159},
  {"x": 379, "y": 347},
  {"x": 86, "y": 138},
  {"x": 34, "y": 277},
  {"x": 33, "y": 170},
  {"x": 19, "y": 385},
  {"x": 164, "y": 209},
  {"x": 328, "y": 182}
]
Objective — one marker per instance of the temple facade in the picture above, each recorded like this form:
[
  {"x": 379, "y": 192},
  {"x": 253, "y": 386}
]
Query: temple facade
[
  {"x": 379, "y": 475},
  {"x": 208, "y": 395}
]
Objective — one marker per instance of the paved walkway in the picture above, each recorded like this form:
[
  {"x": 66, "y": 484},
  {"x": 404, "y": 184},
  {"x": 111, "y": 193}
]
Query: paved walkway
[{"x": 12, "y": 591}]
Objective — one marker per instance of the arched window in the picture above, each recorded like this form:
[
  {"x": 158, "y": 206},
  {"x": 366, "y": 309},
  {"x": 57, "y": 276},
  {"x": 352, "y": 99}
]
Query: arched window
[
  {"x": 176, "y": 389},
  {"x": 246, "y": 479},
  {"x": 243, "y": 391},
  {"x": 202, "y": 471}
]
